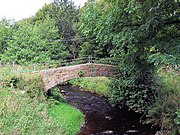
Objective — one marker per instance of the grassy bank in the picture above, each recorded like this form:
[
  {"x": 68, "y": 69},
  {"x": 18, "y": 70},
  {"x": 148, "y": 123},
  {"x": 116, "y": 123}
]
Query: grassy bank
[
  {"x": 97, "y": 85},
  {"x": 70, "y": 118},
  {"x": 165, "y": 112},
  {"x": 25, "y": 110}
]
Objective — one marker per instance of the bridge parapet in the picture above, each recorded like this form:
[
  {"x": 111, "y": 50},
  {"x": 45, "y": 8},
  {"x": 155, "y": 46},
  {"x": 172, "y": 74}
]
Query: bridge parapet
[
  {"x": 68, "y": 69},
  {"x": 53, "y": 77}
]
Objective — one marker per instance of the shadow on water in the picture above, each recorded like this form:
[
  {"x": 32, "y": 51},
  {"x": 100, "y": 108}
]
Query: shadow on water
[{"x": 101, "y": 118}]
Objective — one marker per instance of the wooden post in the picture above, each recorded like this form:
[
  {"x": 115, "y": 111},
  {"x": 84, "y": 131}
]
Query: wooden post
[
  {"x": 0, "y": 68},
  {"x": 13, "y": 69},
  {"x": 47, "y": 72},
  {"x": 89, "y": 59},
  {"x": 35, "y": 67}
]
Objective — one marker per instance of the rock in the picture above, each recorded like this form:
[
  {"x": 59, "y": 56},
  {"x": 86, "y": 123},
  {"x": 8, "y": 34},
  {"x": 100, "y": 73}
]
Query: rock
[
  {"x": 63, "y": 92},
  {"x": 108, "y": 132},
  {"x": 108, "y": 117},
  {"x": 22, "y": 91},
  {"x": 132, "y": 131}
]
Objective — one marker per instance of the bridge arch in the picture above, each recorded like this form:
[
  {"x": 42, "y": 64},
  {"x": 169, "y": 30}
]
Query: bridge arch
[{"x": 53, "y": 77}]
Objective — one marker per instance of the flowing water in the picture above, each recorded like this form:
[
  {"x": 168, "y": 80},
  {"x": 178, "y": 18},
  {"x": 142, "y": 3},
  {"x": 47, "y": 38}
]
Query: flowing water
[{"x": 101, "y": 118}]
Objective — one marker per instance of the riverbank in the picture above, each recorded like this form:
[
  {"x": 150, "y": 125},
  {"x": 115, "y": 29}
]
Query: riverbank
[
  {"x": 164, "y": 112},
  {"x": 97, "y": 85},
  {"x": 101, "y": 118},
  {"x": 24, "y": 109}
]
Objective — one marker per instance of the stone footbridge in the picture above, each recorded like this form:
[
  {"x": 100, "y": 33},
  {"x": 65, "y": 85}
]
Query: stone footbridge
[{"x": 53, "y": 77}]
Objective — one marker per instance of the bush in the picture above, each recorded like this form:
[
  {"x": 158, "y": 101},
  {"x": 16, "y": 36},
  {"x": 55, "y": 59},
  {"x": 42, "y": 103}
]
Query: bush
[
  {"x": 31, "y": 84},
  {"x": 23, "y": 107},
  {"x": 55, "y": 94},
  {"x": 19, "y": 114},
  {"x": 165, "y": 111}
]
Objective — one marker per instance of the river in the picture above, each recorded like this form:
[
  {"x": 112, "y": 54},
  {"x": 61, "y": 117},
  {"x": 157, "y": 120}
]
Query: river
[{"x": 101, "y": 118}]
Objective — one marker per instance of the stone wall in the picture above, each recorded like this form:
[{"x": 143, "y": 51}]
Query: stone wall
[{"x": 53, "y": 77}]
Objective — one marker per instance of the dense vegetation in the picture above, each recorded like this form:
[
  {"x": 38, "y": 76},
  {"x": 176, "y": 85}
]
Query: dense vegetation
[
  {"x": 142, "y": 36},
  {"x": 24, "y": 109}
]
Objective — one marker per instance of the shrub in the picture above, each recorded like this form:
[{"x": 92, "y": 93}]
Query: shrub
[
  {"x": 21, "y": 108},
  {"x": 165, "y": 111},
  {"x": 55, "y": 94}
]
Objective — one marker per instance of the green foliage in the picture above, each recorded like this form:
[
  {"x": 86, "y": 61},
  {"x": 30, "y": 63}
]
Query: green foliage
[
  {"x": 165, "y": 111},
  {"x": 54, "y": 93},
  {"x": 22, "y": 105},
  {"x": 177, "y": 119},
  {"x": 93, "y": 27},
  {"x": 41, "y": 14},
  {"x": 70, "y": 118},
  {"x": 97, "y": 85},
  {"x": 24, "y": 109},
  {"x": 65, "y": 14},
  {"x": 138, "y": 33},
  {"x": 80, "y": 73},
  {"x": 21, "y": 115},
  {"x": 30, "y": 84},
  {"x": 34, "y": 43},
  {"x": 6, "y": 29}
]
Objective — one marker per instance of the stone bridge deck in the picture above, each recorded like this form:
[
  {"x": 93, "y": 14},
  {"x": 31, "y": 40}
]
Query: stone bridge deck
[{"x": 53, "y": 77}]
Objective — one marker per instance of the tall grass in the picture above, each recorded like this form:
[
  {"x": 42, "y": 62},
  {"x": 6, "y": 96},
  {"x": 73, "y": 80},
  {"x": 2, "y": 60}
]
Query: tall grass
[
  {"x": 24, "y": 108},
  {"x": 165, "y": 112},
  {"x": 20, "y": 114}
]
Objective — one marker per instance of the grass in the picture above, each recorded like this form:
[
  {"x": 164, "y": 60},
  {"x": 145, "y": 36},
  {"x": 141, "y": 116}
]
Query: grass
[
  {"x": 25, "y": 110},
  {"x": 97, "y": 85},
  {"x": 165, "y": 112},
  {"x": 20, "y": 114},
  {"x": 70, "y": 118}
]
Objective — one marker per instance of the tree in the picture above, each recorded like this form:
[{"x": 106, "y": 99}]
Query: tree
[
  {"x": 6, "y": 29},
  {"x": 35, "y": 43},
  {"x": 93, "y": 27},
  {"x": 41, "y": 15},
  {"x": 137, "y": 32},
  {"x": 66, "y": 16}
]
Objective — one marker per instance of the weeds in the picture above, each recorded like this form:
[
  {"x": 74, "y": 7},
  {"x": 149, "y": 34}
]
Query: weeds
[
  {"x": 165, "y": 111},
  {"x": 24, "y": 108}
]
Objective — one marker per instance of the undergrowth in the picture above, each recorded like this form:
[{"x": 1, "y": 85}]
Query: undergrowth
[
  {"x": 165, "y": 112},
  {"x": 25, "y": 110}
]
